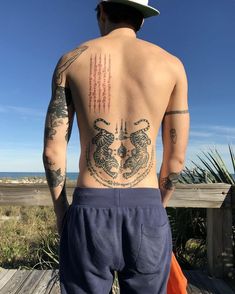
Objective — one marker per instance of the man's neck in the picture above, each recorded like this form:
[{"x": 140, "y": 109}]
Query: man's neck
[{"x": 121, "y": 31}]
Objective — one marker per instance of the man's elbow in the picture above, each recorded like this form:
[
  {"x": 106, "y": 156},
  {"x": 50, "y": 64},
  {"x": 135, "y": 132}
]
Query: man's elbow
[
  {"x": 175, "y": 162},
  {"x": 47, "y": 156},
  {"x": 52, "y": 153},
  {"x": 180, "y": 160}
]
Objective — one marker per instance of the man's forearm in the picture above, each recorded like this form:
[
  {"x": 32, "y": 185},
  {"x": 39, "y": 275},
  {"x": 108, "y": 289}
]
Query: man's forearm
[
  {"x": 55, "y": 169},
  {"x": 168, "y": 179}
]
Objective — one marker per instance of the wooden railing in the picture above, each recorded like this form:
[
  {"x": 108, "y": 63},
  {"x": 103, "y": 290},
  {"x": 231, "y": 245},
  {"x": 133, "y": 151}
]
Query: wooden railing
[{"x": 218, "y": 199}]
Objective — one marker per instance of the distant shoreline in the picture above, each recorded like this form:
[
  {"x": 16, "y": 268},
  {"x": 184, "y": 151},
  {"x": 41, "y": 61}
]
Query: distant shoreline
[
  {"x": 29, "y": 177},
  {"x": 34, "y": 177}
]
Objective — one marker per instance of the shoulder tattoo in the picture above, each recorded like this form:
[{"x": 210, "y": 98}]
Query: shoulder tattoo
[{"x": 61, "y": 67}]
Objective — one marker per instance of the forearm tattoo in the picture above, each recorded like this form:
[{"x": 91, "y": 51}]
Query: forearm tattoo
[
  {"x": 176, "y": 112},
  {"x": 55, "y": 177},
  {"x": 100, "y": 83},
  {"x": 58, "y": 112},
  {"x": 112, "y": 157},
  {"x": 173, "y": 136},
  {"x": 169, "y": 183}
]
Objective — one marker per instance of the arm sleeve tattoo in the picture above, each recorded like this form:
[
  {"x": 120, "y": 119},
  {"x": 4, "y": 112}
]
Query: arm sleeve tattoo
[
  {"x": 59, "y": 123},
  {"x": 58, "y": 112}
]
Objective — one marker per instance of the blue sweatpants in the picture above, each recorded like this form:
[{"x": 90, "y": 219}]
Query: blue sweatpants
[{"x": 115, "y": 229}]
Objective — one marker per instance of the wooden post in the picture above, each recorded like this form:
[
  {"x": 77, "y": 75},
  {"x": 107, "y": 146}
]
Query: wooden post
[{"x": 220, "y": 242}]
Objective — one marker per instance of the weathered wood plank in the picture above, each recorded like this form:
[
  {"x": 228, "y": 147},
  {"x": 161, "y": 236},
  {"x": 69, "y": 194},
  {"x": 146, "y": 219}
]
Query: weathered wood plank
[
  {"x": 31, "y": 282},
  {"x": 190, "y": 195},
  {"x": 42, "y": 286},
  {"x": 191, "y": 289},
  {"x": 2, "y": 274},
  {"x": 201, "y": 195},
  {"x": 55, "y": 287},
  {"x": 46, "y": 282},
  {"x": 27, "y": 194},
  {"x": 200, "y": 282},
  {"x": 5, "y": 277},
  {"x": 15, "y": 283}
]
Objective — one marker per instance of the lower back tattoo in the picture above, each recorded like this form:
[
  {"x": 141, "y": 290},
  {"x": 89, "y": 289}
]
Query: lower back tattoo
[{"x": 112, "y": 158}]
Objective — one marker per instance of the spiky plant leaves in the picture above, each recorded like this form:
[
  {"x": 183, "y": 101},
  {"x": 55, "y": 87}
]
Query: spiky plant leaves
[
  {"x": 226, "y": 174},
  {"x": 232, "y": 157}
]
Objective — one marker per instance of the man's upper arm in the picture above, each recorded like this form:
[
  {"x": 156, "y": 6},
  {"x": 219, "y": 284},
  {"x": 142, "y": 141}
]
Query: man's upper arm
[
  {"x": 60, "y": 113},
  {"x": 175, "y": 125}
]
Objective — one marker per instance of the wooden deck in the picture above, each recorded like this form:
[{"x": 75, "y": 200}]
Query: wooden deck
[
  {"x": 29, "y": 281},
  {"x": 46, "y": 282}
]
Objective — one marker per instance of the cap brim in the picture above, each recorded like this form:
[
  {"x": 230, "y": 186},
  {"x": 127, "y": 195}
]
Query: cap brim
[{"x": 147, "y": 11}]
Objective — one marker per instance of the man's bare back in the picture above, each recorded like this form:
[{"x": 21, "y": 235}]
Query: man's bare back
[{"x": 121, "y": 87}]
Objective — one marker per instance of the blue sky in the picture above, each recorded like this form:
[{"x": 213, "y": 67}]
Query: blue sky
[{"x": 34, "y": 34}]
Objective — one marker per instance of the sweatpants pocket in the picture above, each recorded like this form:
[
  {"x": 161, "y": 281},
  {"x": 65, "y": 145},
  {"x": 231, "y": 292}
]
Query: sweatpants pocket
[{"x": 152, "y": 249}]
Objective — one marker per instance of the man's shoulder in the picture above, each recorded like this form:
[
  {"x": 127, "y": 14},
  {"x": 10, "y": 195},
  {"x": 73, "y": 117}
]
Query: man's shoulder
[
  {"x": 78, "y": 50},
  {"x": 165, "y": 55}
]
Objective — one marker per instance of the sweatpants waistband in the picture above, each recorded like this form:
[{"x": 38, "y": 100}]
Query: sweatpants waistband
[{"x": 114, "y": 197}]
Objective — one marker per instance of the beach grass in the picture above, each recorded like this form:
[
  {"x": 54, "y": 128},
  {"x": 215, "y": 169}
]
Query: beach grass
[
  {"x": 28, "y": 234},
  {"x": 29, "y": 239}
]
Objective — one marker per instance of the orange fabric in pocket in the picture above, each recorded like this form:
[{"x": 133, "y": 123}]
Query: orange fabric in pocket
[{"x": 177, "y": 282}]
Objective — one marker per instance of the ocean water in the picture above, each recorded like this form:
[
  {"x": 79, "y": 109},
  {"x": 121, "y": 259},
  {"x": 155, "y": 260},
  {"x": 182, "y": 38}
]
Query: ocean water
[{"x": 20, "y": 175}]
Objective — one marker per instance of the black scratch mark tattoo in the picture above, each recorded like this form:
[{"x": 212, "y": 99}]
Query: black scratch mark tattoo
[{"x": 169, "y": 183}]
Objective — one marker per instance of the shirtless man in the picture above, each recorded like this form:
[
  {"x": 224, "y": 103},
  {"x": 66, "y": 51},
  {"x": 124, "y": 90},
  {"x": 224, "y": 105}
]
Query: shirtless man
[{"x": 121, "y": 89}]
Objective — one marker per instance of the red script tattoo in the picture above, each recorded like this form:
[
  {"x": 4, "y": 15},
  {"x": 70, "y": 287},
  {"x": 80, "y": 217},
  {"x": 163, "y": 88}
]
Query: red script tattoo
[{"x": 100, "y": 83}]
